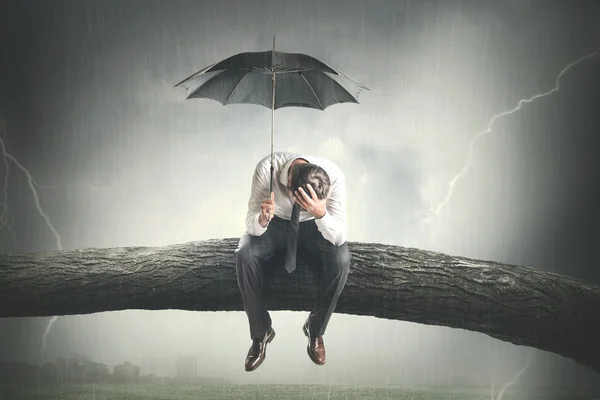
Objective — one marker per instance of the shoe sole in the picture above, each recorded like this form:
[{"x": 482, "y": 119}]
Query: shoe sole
[
  {"x": 308, "y": 348},
  {"x": 269, "y": 340}
]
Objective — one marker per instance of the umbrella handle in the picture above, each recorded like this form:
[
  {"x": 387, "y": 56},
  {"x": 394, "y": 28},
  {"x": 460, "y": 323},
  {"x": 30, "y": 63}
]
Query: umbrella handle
[{"x": 271, "y": 187}]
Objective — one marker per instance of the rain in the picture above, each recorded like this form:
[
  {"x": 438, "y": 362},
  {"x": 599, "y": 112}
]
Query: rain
[{"x": 477, "y": 138}]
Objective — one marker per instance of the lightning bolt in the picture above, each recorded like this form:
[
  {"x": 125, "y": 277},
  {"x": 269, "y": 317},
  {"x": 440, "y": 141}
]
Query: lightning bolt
[
  {"x": 516, "y": 378},
  {"x": 48, "y": 327},
  {"x": 32, "y": 186},
  {"x": 488, "y": 129}
]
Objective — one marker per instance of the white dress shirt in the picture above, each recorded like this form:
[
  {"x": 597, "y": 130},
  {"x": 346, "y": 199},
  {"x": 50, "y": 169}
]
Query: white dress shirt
[{"x": 332, "y": 225}]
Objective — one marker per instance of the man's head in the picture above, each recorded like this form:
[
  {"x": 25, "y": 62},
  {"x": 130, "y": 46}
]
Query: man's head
[{"x": 302, "y": 173}]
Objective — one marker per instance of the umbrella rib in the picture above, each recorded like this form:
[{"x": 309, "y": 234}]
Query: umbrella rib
[
  {"x": 196, "y": 74},
  {"x": 311, "y": 88},
  {"x": 363, "y": 87},
  {"x": 236, "y": 86},
  {"x": 203, "y": 84},
  {"x": 336, "y": 83}
]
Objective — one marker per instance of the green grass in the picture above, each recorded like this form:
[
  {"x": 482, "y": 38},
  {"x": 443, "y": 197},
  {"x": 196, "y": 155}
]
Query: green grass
[{"x": 254, "y": 392}]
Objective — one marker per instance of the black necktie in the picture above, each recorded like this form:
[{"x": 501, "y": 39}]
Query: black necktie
[{"x": 292, "y": 239}]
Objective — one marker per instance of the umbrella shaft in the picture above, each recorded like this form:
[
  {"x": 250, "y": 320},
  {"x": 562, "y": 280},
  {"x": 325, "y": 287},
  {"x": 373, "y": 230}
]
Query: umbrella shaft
[{"x": 272, "y": 131}]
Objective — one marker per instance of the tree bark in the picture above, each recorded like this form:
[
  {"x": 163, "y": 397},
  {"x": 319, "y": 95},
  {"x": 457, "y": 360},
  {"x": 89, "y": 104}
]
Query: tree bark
[{"x": 517, "y": 304}]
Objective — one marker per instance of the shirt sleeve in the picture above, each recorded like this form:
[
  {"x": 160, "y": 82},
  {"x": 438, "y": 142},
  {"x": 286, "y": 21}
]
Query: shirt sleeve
[
  {"x": 258, "y": 193},
  {"x": 333, "y": 224}
]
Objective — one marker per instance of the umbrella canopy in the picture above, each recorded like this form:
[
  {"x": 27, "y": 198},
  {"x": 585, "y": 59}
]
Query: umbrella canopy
[
  {"x": 301, "y": 80},
  {"x": 252, "y": 78}
]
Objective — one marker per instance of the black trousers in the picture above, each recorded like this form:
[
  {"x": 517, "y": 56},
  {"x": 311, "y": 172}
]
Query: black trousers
[{"x": 330, "y": 266}]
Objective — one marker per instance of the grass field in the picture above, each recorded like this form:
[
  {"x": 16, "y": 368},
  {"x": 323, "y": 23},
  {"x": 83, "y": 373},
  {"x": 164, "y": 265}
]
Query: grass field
[{"x": 258, "y": 392}]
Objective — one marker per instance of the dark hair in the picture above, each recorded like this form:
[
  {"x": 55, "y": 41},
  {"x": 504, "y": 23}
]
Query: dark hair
[{"x": 305, "y": 173}]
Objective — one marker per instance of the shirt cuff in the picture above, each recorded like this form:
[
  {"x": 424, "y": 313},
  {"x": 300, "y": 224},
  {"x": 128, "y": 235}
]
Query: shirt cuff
[
  {"x": 257, "y": 228},
  {"x": 324, "y": 221}
]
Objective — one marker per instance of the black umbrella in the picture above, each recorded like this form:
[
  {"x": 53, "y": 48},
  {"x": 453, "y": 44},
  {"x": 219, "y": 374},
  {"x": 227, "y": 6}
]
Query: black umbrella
[{"x": 302, "y": 81}]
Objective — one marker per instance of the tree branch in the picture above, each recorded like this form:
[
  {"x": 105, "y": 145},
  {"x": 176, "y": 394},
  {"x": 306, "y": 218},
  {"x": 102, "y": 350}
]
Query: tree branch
[{"x": 520, "y": 305}]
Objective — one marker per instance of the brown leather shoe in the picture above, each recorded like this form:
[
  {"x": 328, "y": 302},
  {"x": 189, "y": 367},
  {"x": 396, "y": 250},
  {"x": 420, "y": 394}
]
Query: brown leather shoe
[
  {"x": 315, "y": 348},
  {"x": 258, "y": 350}
]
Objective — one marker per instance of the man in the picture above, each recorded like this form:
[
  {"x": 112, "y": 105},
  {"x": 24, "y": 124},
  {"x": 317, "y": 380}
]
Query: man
[{"x": 318, "y": 188}]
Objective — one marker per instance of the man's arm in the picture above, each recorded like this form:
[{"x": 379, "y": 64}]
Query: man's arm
[
  {"x": 333, "y": 224},
  {"x": 258, "y": 193}
]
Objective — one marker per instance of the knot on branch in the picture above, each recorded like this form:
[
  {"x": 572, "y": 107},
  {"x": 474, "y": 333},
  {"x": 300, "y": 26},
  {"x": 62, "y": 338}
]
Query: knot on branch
[{"x": 506, "y": 281}]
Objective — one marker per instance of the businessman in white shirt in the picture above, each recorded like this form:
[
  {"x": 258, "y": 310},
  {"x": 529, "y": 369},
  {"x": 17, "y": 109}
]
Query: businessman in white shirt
[{"x": 318, "y": 187}]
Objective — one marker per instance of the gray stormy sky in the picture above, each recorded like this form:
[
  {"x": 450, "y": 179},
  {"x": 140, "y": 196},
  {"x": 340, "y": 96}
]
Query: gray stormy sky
[{"x": 88, "y": 99}]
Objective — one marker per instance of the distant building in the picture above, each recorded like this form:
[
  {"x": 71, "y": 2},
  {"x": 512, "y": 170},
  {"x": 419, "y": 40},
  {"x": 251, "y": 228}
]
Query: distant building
[
  {"x": 75, "y": 369},
  {"x": 126, "y": 372},
  {"x": 95, "y": 372}
]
